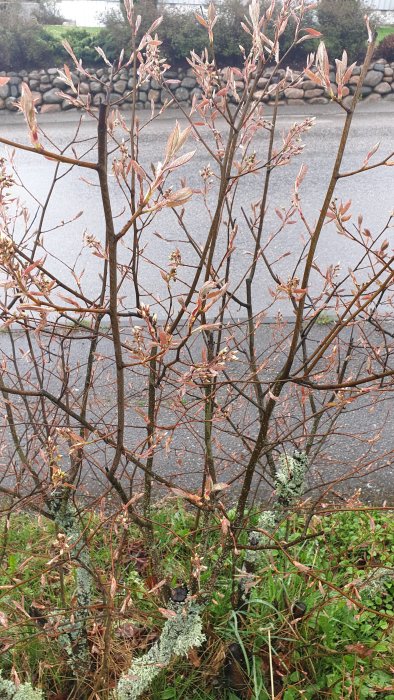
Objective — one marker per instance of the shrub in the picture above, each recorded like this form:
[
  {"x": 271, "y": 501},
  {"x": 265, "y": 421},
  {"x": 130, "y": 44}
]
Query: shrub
[
  {"x": 23, "y": 42},
  {"x": 83, "y": 44},
  {"x": 27, "y": 46},
  {"x": 157, "y": 375},
  {"x": 386, "y": 48},
  {"x": 182, "y": 33},
  {"x": 343, "y": 27},
  {"x": 31, "y": 46},
  {"x": 117, "y": 31},
  {"x": 299, "y": 52}
]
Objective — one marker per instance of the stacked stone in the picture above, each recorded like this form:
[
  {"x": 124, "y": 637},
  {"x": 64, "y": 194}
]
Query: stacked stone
[{"x": 46, "y": 86}]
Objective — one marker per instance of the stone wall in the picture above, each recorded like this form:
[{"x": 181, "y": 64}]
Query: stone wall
[{"x": 46, "y": 84}]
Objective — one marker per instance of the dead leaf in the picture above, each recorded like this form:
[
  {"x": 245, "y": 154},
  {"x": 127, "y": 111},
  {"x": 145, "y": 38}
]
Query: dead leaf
[
  {"x": 194, "y": 658},
  {"x": 360, "y": 649}
]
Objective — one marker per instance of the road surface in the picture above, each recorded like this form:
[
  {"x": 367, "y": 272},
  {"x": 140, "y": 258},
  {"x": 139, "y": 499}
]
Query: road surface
[{"x": 372, "y": 194}]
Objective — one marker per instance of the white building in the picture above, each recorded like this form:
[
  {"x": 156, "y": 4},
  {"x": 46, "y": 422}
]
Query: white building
[
  {"x": 89, "y": 13},
  {"x": 86, "y": 13},
  {"x": 383, "y": 5},
  {"x": 385, "y": 9}
]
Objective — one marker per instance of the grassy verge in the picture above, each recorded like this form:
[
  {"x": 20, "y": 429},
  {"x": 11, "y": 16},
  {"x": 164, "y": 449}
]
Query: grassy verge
[
  {"x": 385, "y": 31},
  {"x": 58, "y": 30},
  {"x": 319, "y": 622}
]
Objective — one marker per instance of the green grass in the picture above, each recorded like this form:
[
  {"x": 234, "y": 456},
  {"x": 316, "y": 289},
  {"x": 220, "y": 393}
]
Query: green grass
[
  {"x": 337, "y": 650},
  {"x": 385, "y": 31},
  {"x": 324, "y": 319},
  {"x": 58, "y": 30}
]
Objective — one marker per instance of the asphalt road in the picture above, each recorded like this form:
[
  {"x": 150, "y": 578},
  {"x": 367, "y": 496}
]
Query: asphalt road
[
  {"x": 372, "y": 194},
  {"x": 360, "y": 443}
]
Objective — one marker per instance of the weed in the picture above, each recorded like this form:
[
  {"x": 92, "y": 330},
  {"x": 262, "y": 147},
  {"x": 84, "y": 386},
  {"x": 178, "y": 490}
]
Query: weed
[{"x": 326, "y": 634}]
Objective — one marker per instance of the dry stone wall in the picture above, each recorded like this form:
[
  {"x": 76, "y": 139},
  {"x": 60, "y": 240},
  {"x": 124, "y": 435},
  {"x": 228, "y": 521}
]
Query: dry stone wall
[{"x": 46, "y": 86}]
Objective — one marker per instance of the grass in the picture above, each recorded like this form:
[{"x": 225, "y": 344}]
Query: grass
[
  {"x": 58, "y": 30},
  {"x": 385, "y": 31},
  {"x": 324, "y": 319},
  {"x": 339, "y": 648}
]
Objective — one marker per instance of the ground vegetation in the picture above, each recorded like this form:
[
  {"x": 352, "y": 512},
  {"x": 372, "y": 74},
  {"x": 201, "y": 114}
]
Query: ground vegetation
[{"x": 169, "y": 528}]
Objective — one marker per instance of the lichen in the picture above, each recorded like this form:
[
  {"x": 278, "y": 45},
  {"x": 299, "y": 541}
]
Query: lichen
[
  {"x": 73, "y": 637},
  {"x": 181, "y": 632},
  {"x": 267, "y": 521},
  {"x": 289, "y": 486},
  {"x": 290, "y": 478},
  {"x": 377, "y": 584},
  {"x": 25, "y": 691}
]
